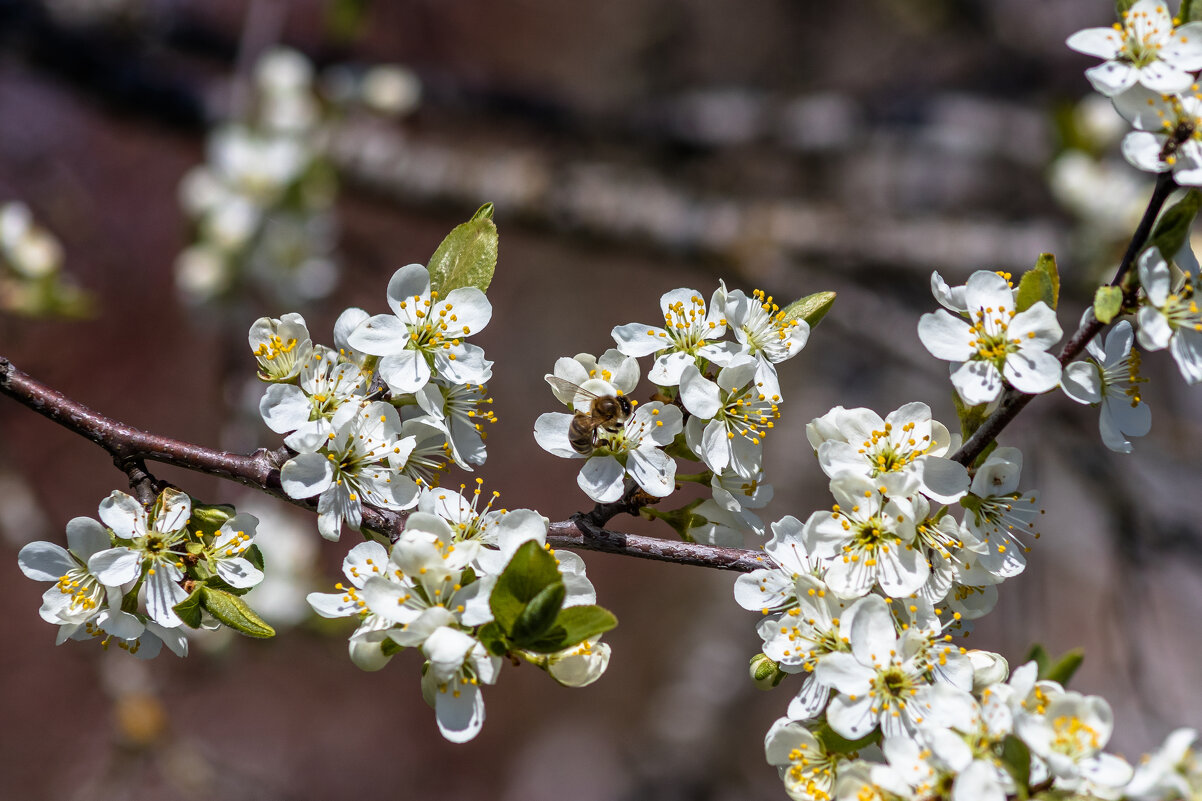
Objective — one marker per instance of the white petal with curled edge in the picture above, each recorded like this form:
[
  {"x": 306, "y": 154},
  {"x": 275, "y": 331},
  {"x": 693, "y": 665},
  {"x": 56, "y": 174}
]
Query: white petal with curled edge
[
  {"x": 460, "y": 712},
  {"x": 116, "y": 566},
  {"x": 1100, "y": 42},
  {"x": 945, "y": 336},
  {"x": 239, "y": 572},
  {"x": 284, "y": 408},
  {"x": 1134, "y": 421},
  {"x": 667, "y": 370},
  {"x": 1112, "y": 77},
  {"x": 942, "y": 479},
  {"x": 844, "y": 672},
  {"x": 601, "y": 479},
  {"x": 381, "y": 335},
  {"x": 174, "y": 639},
  {"x": 851, "y": 719},
  {"x": 306, "y": 475},
  {"x": 810, "y": 699},
  {"x": 335, "y": 507},
  {"x": 1186, "y": 348},
  {"x": 406, "y": 372},
  {"x": 45, "y": 561},
  {"x": 332, "y": 604},
  {"x": 1032, "y": 371},
  {"x": 581, "y": 669},
  {"x": 1154, "y": 332},
  {"x": 654, "y": 471},
  {"x": 86, "y": 537},
  {"x": 174, "y": 510},
  {"x": 977, "y": 382},
  {"x": 1168, "y": 80},
  {"x": 162, "y": 593},
  {"x": 1142, "y": 149},
  {"x": 1082, "y": 381},
  {"x": 1036, "y": 327},
  {"x": 120, "y": 624},
  {"x": 470, "y": 306},
  {"x": 124, "y": 515},
  {"x": 551, "y": 434},
  {"x": 409, "y": 285},
  {"x": 636, "y": 339}
]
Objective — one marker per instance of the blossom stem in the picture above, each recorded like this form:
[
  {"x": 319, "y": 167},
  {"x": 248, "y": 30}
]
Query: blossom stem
[{"x": 1013, "y": 401}]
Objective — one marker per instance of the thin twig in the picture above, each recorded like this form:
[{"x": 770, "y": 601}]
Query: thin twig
[
  {"x": 1014, "y": 401},
  {"x": 130, "y": 447}
]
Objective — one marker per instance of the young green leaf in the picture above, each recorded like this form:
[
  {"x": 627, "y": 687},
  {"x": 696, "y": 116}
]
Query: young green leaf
[
  {"x": 189, "y": 608},
  {"x": 234, "y": 612},
  {"x": 529, "y": 572},
  {"x": 1121, "y": 7},
  {"x": 1063, "y": 669},
  {"x": 1016, "y": 758},
  {"x": 1191, "y": 11},
  {"x": 538, "y": 615},
  {"x": 811, "y": 308},
  {"x": 574, "y": 625},
  {"x": 1173, "y": 227},
  {"x": 971, "y": 417},
  {"x": 1041, "y": 282},
  {"x": 1039, "y": 655},
  {"x": 468, "y": 256},
  {"x": 1107, "y": 303}
]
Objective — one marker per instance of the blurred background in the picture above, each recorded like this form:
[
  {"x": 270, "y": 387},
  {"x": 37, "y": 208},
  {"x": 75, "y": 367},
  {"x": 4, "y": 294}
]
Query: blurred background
[{"x": 630, "y": 147}]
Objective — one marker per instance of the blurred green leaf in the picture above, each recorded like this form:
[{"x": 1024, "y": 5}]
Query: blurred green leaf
[
  {"x": 1041, "y": 282},
  {"x": 468, "y": 256},
  {"x": 1107, "y": 303},
  {"x": 1173, "y": 227},
  {"x": 811, "y": 308}
]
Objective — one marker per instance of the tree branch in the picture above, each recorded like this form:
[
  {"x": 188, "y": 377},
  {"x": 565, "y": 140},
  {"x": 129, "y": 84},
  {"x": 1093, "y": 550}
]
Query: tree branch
[
  {"x": 1013, "y": 401},
  {"x": 131, "y": 447}
]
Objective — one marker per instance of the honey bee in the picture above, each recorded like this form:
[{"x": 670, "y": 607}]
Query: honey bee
[{"x": 607, "y": 412}]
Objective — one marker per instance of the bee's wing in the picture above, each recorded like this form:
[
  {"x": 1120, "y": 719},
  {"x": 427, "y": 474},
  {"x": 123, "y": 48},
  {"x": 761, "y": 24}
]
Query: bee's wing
[{"x": 564, "y": 388}]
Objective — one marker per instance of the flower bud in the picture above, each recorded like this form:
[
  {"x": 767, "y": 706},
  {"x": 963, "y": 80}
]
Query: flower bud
[
  {"x": 765, "y": 673},
  {"x": 987, "y": 668}
]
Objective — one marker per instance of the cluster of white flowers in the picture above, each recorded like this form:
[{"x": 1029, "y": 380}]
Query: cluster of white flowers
[
  {"x": 352, "y": 447},
  {"x": 262, "y": 204},
  {"x": 31, "y": 260},
  {"x": 433, "y": 591},
  {"x": 123, "y": 578},
  {"x": 715, "y": 401}
]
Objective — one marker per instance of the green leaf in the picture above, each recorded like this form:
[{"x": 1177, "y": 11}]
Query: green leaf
[
  {"x": 538, "y": 615},
  {"x": 492, "y": 638},
  {"x": 234, "y": 612},
  {"x": 1016, "y": 758},
  {"x": 1039, "y": 655},
  {"x": 389, "y": 647},
  {"x": 838, "y": 744},
  {"x": 573, "y": 625},
  {"x": 529, "y": 572},
  {"x": 811, "y": 308},
  {"x": 1107, "y": 303},
  {"x": 254, "y": 556},
  {"x": 1041, "y": 282},
  {"x": 1064, "y": 668},
  {"x": 189, "y": 608},
  {"x": 468, "y": 256},
  {"x": 1121, "y": 7},
  {"x": 1173, "y": 227},
  {"x": 1191, "y": 11},
  {"x": 971, "y": 417}
]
